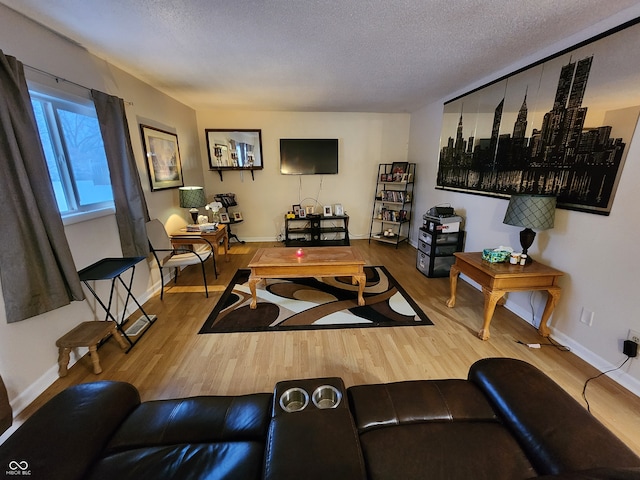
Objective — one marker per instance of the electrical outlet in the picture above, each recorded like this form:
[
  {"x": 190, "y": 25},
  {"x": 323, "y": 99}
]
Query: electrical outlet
[
  {"x": 586, "y": 317},
  {"x": 634, "y": 335}
]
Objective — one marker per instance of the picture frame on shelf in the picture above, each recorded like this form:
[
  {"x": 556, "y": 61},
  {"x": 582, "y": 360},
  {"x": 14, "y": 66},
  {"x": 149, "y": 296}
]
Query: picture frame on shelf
[
  {"x": 162, "y": 155},
  {"x": 327, "y": 212},
  {"x": 398, "y": 169},
  {"x": 309, "y": 210},
  {"x": 337, "y": 208},
  {"x": 302, "y": 213},
  {"x": 296, "y": 209},
  {"x": 237, "y": 216},
  {"x": 224, "y": 217}
]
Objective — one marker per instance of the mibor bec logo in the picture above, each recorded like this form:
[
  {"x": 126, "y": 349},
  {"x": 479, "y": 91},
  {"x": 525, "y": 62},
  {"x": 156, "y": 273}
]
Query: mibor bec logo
[{"x": 18, "y": 468}]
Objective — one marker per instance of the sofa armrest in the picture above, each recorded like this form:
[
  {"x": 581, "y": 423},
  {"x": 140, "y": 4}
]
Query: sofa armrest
[
  {"x": 65, "y": 436},
  {"x": 6, "y": 413},
  {"x": 556, "y": 432}
]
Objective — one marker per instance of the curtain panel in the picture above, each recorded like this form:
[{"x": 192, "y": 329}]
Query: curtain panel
[
  {"x": 36, "y": 266},
  {"x": 131, "y": 206}
]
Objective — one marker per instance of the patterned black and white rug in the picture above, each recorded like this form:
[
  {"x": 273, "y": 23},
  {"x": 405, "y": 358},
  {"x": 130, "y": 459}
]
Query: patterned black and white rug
[{"x": 314, "y": 303}]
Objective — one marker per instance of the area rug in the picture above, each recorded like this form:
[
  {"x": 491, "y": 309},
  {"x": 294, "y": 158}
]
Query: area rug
[{"x": 314, "y": 303}]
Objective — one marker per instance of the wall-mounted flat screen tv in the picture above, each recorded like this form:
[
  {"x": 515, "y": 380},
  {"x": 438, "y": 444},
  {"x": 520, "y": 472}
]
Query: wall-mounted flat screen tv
[{"x": 308, "y": 156}]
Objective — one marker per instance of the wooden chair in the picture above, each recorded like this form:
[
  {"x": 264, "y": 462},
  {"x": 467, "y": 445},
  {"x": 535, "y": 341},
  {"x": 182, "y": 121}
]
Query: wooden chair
[{"x": 169, "y": 257}]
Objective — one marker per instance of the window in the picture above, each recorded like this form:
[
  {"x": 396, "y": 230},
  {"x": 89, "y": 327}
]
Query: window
[{"x": 73, "y": 148}]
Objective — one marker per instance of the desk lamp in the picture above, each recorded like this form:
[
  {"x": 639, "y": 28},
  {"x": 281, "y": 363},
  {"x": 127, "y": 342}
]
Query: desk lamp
[
  {"x": 192, "y": 198},
  {"x": 530, "y": 211}
]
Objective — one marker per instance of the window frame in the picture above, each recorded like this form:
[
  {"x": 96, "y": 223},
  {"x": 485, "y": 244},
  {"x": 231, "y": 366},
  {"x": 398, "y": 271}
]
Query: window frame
[{"x": 82, "y": 105}]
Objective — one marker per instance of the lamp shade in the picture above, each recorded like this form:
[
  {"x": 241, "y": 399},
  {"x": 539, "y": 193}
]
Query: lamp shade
[
  {"x": 531, "y": 211},
  {"x": 192, "y": 197}
]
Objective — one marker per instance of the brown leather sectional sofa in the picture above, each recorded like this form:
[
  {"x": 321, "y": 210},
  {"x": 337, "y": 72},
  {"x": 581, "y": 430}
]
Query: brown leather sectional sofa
[{"x": 507, "y": 420}]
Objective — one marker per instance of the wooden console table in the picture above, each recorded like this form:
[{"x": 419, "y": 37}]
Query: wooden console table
[
  {"x": 496, "y": 279},
  {"x": 291, "y": 262}
]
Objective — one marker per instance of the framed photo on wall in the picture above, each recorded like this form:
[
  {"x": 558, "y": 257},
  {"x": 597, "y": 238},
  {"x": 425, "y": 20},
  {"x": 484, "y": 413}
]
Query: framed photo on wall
[{"x": 162, "y": 158}]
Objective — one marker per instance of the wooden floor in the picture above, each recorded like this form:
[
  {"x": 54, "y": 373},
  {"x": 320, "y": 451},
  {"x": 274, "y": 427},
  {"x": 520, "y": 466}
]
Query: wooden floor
[{"x": 172, "y": 360}]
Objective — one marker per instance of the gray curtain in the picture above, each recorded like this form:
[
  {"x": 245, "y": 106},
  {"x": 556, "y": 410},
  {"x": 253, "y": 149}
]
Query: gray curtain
[
  {"x": 36, "y": 266},
  {"x": 131, "y": 207}
]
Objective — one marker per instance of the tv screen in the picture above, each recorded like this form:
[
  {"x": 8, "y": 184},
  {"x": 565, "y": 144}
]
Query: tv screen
[{"x": 308, "y": 156}]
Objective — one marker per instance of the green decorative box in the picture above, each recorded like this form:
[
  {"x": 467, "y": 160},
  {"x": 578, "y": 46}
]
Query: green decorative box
[{"x": 495, "y": 256}]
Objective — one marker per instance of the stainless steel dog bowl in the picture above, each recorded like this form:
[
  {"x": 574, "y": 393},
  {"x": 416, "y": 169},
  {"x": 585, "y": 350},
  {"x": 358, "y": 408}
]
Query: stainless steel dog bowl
[
  {"x": 294, "y": 400},
  {"x": 326, "y": 396}
]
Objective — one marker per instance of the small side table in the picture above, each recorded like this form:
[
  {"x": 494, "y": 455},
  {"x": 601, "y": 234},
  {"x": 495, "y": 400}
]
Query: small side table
[
  {"x": 112, "y": 269},
  {"x": 87, "y": 334},
  {"x": 496, "y": 279}
]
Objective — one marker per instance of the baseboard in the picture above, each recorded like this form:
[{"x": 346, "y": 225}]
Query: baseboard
[{"x": 621, "y": 377}]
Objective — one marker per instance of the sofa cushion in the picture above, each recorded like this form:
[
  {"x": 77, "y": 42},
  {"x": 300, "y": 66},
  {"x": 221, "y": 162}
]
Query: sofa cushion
[
  {"x": 416, "y": 401},
  {"x": 556, "y": 432},
  {"x": 68, "y": 433},
  {"x": 440, "y": 449},
  {"x": 217, "y": 437},
  {"x": 206, "y": 419}
]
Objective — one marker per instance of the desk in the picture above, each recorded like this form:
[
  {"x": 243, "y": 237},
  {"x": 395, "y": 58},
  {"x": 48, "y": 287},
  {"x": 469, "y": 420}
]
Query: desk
[
  {"x": 112, "y": 269},
  {"x": 496, "y": 279},
  {"x": 283, "y": 262},
  {"x": 183, "y": 237}
]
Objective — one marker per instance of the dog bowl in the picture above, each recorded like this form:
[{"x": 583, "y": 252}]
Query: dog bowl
[
  {"x": 326, "y": 396},
  {"x": 294, "y": 400}
]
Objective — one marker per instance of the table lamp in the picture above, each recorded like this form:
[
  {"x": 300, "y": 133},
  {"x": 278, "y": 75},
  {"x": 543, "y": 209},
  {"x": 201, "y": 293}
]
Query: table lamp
[
  {"x": 192, "y": 198},
  {"x": 530, "y": 211}
]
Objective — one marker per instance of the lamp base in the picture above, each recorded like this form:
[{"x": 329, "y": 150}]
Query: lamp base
[
  {"x": 194, "y": 214},
  {"x": 527, "y": 236}
]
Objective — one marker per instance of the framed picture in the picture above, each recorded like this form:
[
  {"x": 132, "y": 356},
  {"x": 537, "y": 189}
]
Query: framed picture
[
  {"x": 237, "y": 216},
  {"x": 327, "y": 211},
  {"x": 162, "y": 158},
  {"x": 569, "y": 136},
  {"x": 405, "y": 178},
  {"x": 398, "y": 169},
  {"x": 234, "y": 149},
  {"x": 224, "y": 217},
  {"x": 309, "y": 210},
  {"x": 296, "y": 209},
  {"x": 302, "y": 213},
  {"x": 338, "y": 209}
]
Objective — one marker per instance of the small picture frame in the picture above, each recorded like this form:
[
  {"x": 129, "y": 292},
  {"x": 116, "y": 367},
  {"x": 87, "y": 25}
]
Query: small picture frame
[
  {"x": 309, "y": 210},
  {"x": 224, "y": 217},
  {"x": 302, "y": 213},
  {"x": 337, "y": 208},
  {"x": 237, "y": 216},
  {"x": 296, "y": 209},
  {"x": 398, "y": 169},
  {"x": 405, "y": 178},
  {"x": 327, "y": 211}
]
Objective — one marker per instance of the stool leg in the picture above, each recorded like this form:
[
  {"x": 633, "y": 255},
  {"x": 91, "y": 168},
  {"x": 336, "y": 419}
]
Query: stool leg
[
  {"x": 63, "y": 361},
  {"x": 93, "y": 353},
  {"x": 118, "y": 337}
]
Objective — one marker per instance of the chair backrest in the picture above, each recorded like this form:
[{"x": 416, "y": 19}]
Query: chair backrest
[{"x": 159, "y": 240}]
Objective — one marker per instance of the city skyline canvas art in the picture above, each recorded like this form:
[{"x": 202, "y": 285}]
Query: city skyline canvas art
[{"x": 560, "y": 127}]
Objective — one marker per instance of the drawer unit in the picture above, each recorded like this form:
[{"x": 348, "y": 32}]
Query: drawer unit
[
  {"x": 434, "y": 266},
  {"x": 436, "y": 249}
]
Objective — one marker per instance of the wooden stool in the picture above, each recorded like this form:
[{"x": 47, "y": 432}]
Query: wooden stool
[{"x": 87, "y": 334}]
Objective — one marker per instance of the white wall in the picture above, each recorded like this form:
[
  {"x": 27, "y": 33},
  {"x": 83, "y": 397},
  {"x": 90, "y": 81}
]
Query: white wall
[
  {"x": 28, "y": 354},
  {"x": 365, "y": 139},
  {"x": 597, "y": 253}
]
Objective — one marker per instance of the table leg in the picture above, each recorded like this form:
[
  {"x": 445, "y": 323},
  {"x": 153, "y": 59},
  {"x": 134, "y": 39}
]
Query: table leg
[
  {"x": 490, "y": 300},
  {"x": 552, "y": 299},
  {"x": 63, "y": 361},
  {"x": 453, "y": 282},
  {"x": 362, "y": 282},
  {"x": 93, "y": 353},
  {"x": 226, "y": 245},
  {"x": 253, "y": 281}
]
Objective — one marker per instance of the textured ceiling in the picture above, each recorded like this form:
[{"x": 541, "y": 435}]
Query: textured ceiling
[{"x": 314, "y": 55}]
